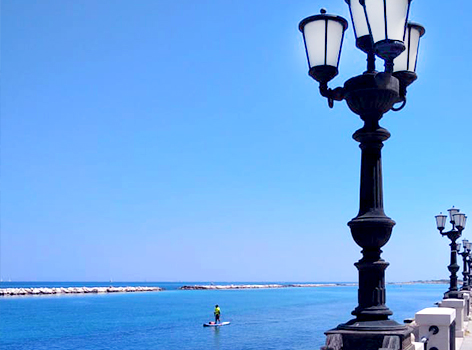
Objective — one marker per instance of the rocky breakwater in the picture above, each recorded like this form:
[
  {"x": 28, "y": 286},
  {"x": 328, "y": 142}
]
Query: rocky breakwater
[
  {"x": 231, "y": 286},
  {"x": 74, "y": 290},
  {"x": 257, "y": 286}
]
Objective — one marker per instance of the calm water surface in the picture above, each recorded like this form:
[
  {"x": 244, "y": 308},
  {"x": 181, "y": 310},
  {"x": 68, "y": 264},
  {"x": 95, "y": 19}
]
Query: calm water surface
[{"x": 278, "y": 319}]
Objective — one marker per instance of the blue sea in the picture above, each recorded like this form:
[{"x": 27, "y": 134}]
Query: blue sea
[{"x": 272, "y": 319}]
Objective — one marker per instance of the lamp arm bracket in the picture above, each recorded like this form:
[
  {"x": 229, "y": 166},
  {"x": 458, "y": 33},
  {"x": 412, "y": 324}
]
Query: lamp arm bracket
[
  {"x": 332, "y": 95},
  {"x": 403, "y": 101}
]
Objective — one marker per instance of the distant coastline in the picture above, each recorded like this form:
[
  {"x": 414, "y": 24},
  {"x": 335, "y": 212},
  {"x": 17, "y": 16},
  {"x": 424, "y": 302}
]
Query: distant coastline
[{"x": 444, "y": 281}]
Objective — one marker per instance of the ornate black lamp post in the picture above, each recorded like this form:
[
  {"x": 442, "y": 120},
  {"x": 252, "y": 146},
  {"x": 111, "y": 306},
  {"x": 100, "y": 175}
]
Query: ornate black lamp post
[
  {"x": 465, "y": 260},
  {"x": 382, "y": 30},
  {"x": 469, "y": 263},
  {"x": 457, "y": 221}
]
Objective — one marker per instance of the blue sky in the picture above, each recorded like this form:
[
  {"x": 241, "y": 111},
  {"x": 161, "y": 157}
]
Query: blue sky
[{"x": 185, "y": 141}]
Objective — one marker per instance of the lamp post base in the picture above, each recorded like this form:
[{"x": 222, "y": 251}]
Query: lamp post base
[
  {"x": 371, "y": 335},
  {"x": 455, "y": 294}
]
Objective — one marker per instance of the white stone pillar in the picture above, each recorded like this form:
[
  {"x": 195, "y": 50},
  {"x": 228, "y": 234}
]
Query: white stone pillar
[
  {"x": 458, "y": 305},
  {"x": 466, "y": 297},
  {"x": 469, "y": 300},
  {"x": 431, "y": 317}
]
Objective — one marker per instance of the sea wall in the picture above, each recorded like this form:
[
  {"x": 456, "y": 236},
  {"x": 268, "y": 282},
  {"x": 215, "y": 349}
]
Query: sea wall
[{"x": 74, "y": 290}]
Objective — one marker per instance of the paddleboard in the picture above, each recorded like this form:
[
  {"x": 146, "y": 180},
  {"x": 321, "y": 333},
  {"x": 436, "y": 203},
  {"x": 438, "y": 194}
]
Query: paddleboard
[{"x": 212, "y": 324}]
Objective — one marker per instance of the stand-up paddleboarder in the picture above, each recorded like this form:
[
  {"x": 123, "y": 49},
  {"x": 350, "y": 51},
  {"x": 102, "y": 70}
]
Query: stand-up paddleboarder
[{"x": 217, "y": 314}]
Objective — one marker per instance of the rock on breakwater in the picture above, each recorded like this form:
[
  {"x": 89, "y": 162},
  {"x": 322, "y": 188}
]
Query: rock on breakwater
[{"x": 74, "y": 290}]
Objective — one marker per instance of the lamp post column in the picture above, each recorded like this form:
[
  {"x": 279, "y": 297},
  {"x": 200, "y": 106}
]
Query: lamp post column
[
  {"x": 469, "y": 262},
  {"x": 453, "y": 267},
  {"x": 465, "y": 264},
  {"x": 371, "y": 228},
  {"x": 370, "y": 96}
]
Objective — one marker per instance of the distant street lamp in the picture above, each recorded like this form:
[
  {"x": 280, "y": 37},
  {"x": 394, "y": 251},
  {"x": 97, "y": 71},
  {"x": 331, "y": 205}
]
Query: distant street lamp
[
  {"x": 381, "y": 29},
  {"x": 469, "y": 263},
  {"x": 465, "y": 260},
  {"x": 457, "y": 221}
]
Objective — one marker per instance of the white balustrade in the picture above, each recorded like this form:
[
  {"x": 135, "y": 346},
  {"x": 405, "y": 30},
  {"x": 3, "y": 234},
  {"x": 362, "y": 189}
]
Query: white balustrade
[{"x": 435, "y": 327}]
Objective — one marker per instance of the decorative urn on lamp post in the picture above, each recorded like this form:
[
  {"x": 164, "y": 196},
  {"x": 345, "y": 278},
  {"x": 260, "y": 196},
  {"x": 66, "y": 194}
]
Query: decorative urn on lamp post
[
  {"x": 457, "y": 221},
  {"x": 381, "y": 28}
]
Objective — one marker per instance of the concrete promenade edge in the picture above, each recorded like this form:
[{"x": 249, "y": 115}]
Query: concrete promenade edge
[{"x": 466, "y": 342}]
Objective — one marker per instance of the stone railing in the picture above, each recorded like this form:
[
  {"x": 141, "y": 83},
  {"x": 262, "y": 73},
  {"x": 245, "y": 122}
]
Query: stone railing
[{"x": 443, "y": 327}]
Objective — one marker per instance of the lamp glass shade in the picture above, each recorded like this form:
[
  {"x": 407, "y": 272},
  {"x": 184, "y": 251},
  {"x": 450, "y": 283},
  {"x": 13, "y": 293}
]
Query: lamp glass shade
[
  {"x": 406, "y": 61},
  {"x": 459, "y": 220},
  {"x": 387, "y": 18},
  {"x": 374, "y": 11},
  {"x": 452, "y": 212},
  {"x": 464, "y": 243},
  {"x": 440, "y": 221},
  {"x": 387, "y": 24},
  {"x": 315, "y": 43},
  {"x": 397, "y": 16},
  {"x": 469, "y": 245},
  {"x": 359, "y": 21},
  {"x": 323, "y": 35}
]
